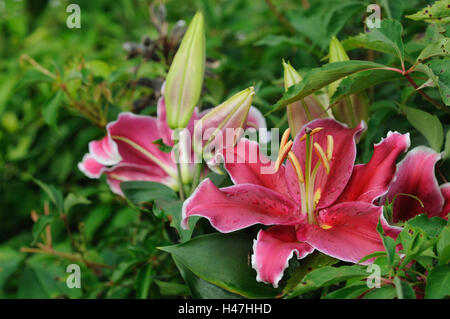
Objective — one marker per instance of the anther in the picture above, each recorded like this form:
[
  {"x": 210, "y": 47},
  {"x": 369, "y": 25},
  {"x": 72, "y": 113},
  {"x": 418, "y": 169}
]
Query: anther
[
  {"x": 285, "y": 138},
  {"x": 296, "y": 164},
  {"x": 310, "y": 132},
  {"x": 330, "y": 145},
  {"x": 321, "y": 154},
  {"x": 282, "y": 155}
]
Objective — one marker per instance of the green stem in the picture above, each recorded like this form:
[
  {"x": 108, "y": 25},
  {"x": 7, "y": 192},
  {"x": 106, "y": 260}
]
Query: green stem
[{"x": 196, "y": 179}]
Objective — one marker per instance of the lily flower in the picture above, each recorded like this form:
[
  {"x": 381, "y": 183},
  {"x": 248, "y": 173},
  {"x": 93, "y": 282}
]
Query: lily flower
[
  {"x": 318, "y": 200},
  {"x": 415, "y": 176},
  {"x": 128, "y": 151}
]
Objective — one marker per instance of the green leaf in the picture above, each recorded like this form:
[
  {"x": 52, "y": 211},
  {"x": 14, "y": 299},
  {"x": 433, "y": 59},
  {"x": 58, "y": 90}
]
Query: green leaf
[
  {"x": 55, "y": 195},
  {"x": 10, "y": 260},
  {"x": 360, "y": 81},
  {"x": 362, "y": 41},
  {"x": 446, "y": 153},
  {"x": 430, "y": 226},
  {"x": 389, "y": 33},
  {"x": 441, "y": 69},
  {"x": 222, "y": 259},
  {"x": 373, "y": 255},
  {"x": 443, "y": 246},
  {"x": 317, "y": 78},
  {"x": 200, "y": 288},
  {"x": 144, "y": 280},
  {"x": 172, "y": 288},
  {"x": 348, "y": 292},
  {"x": 438, "y": 283},
  {"x": 172, "y": 209},
  {"x": 72, "y": 200},
  {"x": 427, "y": 124},
  {"x": 437, "y": 48},
  {"x": 308, "y": 264},
  {"x": 439, "y": 12},
  {"x": 40, "y": 225},
  {"x": 140, "y": 192},
  {"x": 327, "y": 276},
  {"x": 50, "y": 111},
  {"x": 384, "y": 292}
]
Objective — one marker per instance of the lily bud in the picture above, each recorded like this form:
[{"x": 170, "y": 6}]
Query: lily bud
[
  {"x": 301, "y": 112},
  {"x": 185, "y": 78},
  {"x": 355, "y": 107},
  {"x": 211, "y": 130}
]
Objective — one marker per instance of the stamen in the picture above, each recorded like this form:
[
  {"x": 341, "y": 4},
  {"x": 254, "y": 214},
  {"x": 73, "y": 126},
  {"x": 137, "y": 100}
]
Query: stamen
[
  {"x": 321, "y": 154},
  {"x": 282, "y": 155},
  {"x": 296, "y": 164},
  {"x": 317, "y": 195},
  {"x": 330, "y": 145},
  {"x": 325, "y": 226},
  {"x": 285, "y": 138},
  {"x": 311, "y": 132}
]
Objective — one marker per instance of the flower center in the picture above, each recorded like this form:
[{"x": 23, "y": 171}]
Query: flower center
[{"x": 306, "y": 177}]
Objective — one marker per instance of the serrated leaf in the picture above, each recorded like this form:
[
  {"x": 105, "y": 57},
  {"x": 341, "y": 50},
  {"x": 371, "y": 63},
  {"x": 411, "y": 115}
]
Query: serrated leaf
[
  {"x": 430, "y": 226},
  {"x": 427, "y": 124},
  {"x": 441, "y": 69},
  {"x": 439, "y": 12},
  {"x": 384, "y": 292},
  {"x": 390, "y": 33},
  {"x": 440, "y": 47},
  {"x": 326, "y": 276}
]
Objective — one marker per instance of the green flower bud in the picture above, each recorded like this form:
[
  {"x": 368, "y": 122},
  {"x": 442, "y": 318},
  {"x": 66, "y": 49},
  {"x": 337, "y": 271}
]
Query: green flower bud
[
  {"x": 301, "y": 112},
  {"x": 185, "y": 78},
  {"x": 211, "y": 130}
]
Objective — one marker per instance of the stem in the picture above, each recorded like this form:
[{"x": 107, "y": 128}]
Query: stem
[
  {"x": 196, "y": 179},
  {"x": 280, "y": 16},
  {"x": 72, "y": 257},
  {"x": 429, "y": 99},
  {"x": 180, "y": 182}
]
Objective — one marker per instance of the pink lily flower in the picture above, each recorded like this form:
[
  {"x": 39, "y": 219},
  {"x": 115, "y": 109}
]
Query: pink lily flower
[
  {"x": 127, "y": 152},
  {"x": 415, "y": 176},
  {"x": 318, "y": 200}
]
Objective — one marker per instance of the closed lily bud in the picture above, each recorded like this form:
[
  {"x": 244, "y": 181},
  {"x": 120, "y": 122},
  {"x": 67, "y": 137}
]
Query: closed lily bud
[
  {"x": 301, "y": 112},
  {"x": 353, "y": 108},
  {"x": 185, "y": 78},
  {"x": 223, "y": 125}
]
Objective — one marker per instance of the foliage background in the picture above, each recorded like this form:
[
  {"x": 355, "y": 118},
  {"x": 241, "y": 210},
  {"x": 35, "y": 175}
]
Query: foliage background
[{"x": 43, "y": 138}]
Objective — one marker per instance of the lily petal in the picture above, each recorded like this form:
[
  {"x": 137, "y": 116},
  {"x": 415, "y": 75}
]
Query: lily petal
[
  {"x": 370, "y": 181},
  {"x": 272, "y": 250},
  {"x": 236, "y": 207},
  {"x": 247, "y": 165},
  {"x": 124, "y": 173},
  {"x": 415, "y": 176},
  {"x": 134, "y": 135},
  {"x": 256, "y": 120},
  {"x": 341, "y": 164},
  {"x": 445, "y": 188},
  {"x": 347, "y": 231},
  {"x": 90, "y": 167}
]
